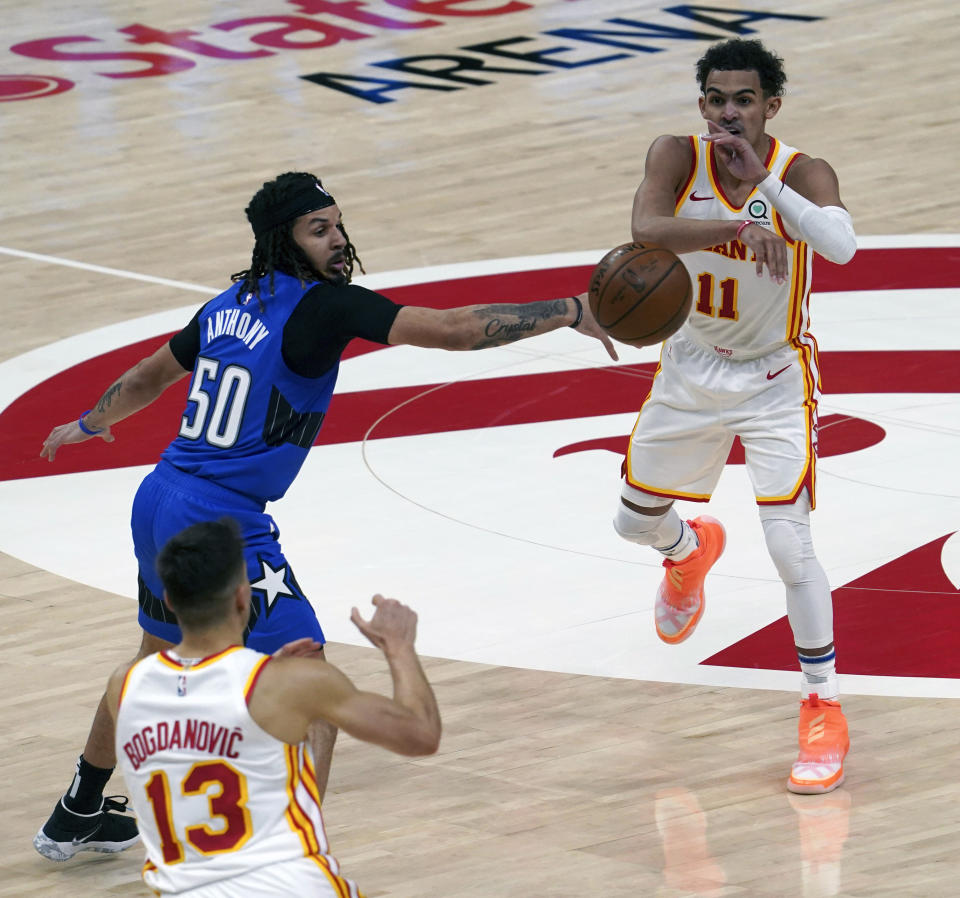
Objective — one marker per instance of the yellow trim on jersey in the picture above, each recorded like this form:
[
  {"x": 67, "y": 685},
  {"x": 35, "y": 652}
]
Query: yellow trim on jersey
[
  {"x": 808, "y": 474},
  {"x": 656, "y": 491},
  {"x": 308, "y": 777},
  {"x": 668, "y": 494},
  {"x": 126, "y": 682},
  {"x": 692, "y": 177},
  {"x": 772, "y": 154},
  {"x": 299, "y": 822},
  {"x": 257, "y": 668},
  {"x": 799, "y": 292},
  {"x": 339, "y": 884}
]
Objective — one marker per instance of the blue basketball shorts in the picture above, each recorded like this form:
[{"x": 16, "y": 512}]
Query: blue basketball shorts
[{"x": 167, "y": 502}]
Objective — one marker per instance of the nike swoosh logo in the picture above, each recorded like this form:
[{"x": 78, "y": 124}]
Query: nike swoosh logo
[
  {"x": 79, "y": 840},
  {"x": 776, "y": 373},
  {"x": 699, "y": 199}
]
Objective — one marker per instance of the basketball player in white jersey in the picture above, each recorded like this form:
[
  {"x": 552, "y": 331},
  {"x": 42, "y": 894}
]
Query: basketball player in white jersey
[
  {"x": 211, "y": 736},
  {"x": 747, "y": 213}
]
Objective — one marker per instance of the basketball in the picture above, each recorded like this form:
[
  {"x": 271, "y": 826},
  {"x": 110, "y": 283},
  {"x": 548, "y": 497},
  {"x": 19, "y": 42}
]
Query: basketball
[{"x": 639, "y": 294}]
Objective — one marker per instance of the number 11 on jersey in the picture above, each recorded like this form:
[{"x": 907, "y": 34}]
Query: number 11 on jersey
[{"x": 728, "y": 297}]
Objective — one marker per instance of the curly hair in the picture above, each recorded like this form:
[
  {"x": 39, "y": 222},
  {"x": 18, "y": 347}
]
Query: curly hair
[
  {"x": 737, "y": 55},
  {"x": 276, "y": 250}
]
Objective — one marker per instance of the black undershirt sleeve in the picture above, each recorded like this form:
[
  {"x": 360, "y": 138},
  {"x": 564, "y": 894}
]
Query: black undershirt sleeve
[
  {"x": 185, "y": 345},
  {"x": 327, "y": 318}
]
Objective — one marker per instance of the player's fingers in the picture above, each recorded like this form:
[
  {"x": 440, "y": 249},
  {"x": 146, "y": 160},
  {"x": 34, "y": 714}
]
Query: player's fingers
[
  {"x": 611, "y": 349},
  {"x": 783, "y": 261}
]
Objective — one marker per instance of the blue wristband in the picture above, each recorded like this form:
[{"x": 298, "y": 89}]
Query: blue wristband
[{"x": 84, "y": 428}]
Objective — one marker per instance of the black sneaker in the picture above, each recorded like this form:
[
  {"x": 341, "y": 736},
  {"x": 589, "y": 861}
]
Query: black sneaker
[{"x": 67, "y": 832}]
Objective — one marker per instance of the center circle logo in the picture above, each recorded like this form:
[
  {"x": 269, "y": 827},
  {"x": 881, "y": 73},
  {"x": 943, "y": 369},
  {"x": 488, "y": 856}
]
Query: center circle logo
[{"x": 757, "y": 209}]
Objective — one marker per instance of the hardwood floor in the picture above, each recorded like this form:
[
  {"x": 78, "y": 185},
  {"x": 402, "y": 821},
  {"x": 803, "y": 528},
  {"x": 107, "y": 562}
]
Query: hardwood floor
[{"x": 547, "y": 783}]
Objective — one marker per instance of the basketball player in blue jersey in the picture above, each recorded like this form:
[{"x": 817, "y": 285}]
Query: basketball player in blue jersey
[
  {"x": 210, "y": 735},
  {"x": 263, "y": 358},
  {"x": 747, "y": 213}
]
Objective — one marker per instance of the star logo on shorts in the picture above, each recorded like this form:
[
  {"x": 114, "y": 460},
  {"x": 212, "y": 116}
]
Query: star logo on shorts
[{"x": 275, "y": 583}]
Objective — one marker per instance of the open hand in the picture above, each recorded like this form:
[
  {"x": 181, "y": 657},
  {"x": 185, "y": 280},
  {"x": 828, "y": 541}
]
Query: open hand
[
  {"x": 69, "y": 433},
  {"x": 588, "y": 325},
  {"x": 300, "y": 648},
  {"x": 393, "y": 624},
  {"x": 736, "y": 153}
]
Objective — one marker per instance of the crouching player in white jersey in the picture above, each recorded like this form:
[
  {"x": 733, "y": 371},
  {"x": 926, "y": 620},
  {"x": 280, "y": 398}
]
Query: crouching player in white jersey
[
  {"x": 210, "y": 736},
  {"x": 747, "y": 212}
]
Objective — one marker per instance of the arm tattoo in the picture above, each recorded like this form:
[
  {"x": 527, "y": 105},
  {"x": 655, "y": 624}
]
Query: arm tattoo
[
  {"x": 107, "y": 397},
  {"x": 508, "y": 322}
]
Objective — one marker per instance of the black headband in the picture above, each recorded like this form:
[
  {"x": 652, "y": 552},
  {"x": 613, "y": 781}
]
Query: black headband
[{"x": 308, "y": 199}]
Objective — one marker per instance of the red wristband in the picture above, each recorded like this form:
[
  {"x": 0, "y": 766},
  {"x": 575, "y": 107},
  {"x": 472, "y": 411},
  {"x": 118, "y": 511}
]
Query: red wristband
[{"x": 743, "y": 224}]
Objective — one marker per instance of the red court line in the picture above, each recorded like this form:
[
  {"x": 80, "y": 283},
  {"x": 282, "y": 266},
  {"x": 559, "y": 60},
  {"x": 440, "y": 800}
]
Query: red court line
[{"x": 471, "y": 404}]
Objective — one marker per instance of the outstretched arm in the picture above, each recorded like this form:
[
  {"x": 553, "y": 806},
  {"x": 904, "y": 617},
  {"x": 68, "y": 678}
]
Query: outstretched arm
[
  {"x": 132, "y": 391},
  {"x": 484, "y": 326},
  {"x": 293, "y": 692}
]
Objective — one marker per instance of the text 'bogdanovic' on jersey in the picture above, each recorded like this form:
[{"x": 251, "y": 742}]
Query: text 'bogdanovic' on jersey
[
  {"x": 734, "y": 311},
  {"x": 214, "y": 794},
  {"x": 249, "y": 420}
]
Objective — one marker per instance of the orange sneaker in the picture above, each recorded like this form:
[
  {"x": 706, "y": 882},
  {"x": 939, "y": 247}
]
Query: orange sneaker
[
  {"x": 824, "y": 743},
  {"x": 680, "y": 597}
]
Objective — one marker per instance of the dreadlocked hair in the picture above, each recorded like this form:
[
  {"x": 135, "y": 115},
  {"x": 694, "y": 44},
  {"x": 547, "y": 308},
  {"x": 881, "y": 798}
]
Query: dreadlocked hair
[{"x": 276, "y": 250}]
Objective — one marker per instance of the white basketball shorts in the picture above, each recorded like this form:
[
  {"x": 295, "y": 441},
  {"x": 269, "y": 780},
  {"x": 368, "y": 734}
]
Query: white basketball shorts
[{"x": 702, "y": 398}]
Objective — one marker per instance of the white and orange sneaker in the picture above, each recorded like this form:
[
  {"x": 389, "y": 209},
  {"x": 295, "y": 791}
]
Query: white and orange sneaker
[
  {"x": 680, "y": 598},
  {"x": 824, "y": 743}
]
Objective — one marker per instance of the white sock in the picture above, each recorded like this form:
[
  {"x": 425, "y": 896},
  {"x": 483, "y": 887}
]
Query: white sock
[{"x": 686, "y": 544}]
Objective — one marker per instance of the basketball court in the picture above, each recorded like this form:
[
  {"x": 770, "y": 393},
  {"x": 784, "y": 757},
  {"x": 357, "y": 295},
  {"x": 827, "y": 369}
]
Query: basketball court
[{"x": 488, "y": 150}]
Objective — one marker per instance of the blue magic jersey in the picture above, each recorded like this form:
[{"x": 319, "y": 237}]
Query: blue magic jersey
[{"x": 249, "y": 420}]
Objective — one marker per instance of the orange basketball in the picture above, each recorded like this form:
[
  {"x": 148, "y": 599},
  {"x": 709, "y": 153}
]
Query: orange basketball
[{"x": 640, "y": 294}]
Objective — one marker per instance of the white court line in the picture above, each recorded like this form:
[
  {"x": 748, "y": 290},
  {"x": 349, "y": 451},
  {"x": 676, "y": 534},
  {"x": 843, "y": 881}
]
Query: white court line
[
  {"x": 114, "y": 272},
  {"x": 432, "y": 273},
  {"x": 48, "y": 360}
]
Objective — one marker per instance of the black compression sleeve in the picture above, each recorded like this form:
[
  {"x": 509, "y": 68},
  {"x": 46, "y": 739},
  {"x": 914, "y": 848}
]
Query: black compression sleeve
[
  {"x": 327, "y": 318},
  {"x": 185, "y": 345}
]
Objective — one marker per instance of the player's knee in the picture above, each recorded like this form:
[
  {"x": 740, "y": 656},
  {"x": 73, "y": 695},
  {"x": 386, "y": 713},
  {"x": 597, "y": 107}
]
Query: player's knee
[
  {"x": 640, "y": 516},
  {"x": 791, "y": 549}
]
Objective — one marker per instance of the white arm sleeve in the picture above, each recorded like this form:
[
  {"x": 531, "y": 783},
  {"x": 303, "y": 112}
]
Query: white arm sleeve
[{"x": 828, "y": 229}]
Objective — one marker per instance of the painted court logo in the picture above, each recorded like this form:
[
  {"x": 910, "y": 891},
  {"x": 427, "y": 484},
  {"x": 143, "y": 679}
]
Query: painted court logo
[
  {"x": 406, "y": 435},
  {"x": 30, "y": 87},
  {"x": 143, "y": 51}
]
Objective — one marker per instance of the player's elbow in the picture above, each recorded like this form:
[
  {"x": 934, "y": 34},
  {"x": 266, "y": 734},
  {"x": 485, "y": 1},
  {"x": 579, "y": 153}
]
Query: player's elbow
[
  {"x": 843, "y": 254},
  {"x": 421, "y": 741},
  {"x": 829, "y": 230}
]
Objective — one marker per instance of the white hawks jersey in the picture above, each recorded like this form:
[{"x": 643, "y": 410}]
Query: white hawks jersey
[
  {"x": 214, "y": 794},
  {"x": 735, "y": 312}
]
